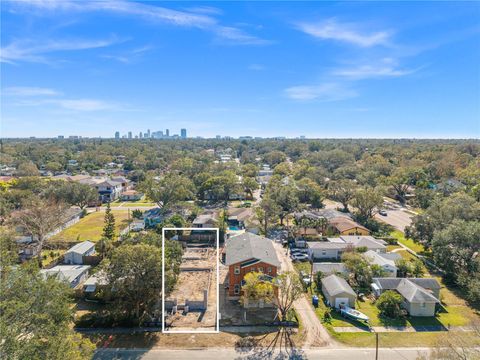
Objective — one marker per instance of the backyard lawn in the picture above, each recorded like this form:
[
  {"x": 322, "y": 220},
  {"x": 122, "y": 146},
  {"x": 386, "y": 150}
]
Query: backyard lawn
[{"x": 91, "y": 226}]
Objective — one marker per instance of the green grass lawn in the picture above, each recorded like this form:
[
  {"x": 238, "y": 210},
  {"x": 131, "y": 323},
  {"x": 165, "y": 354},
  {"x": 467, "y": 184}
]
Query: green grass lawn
[
  {"x": 91, "y": 226},
  {"x": 49, "y": 256},
  {"x": 418, "y": 248}
]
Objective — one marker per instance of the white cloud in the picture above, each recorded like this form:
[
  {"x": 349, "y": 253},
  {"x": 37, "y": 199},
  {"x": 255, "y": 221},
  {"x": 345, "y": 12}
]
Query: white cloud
[
  {"x": 237, "y": 36},
  {"x": 385, "y": 68},
  {"x": 38, "y": 96},
  {"x": 83, "y": 104},
  {"x": 199, "y": 17},
  {"x": 29, "y": 91},
  {"x": 323, "y": 92},
  {"x": 332, "y": 30},
  {"x": 369, "y": 71},
  {"x": 34, "y": 51}
]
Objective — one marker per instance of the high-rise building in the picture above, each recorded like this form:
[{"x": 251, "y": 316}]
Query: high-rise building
[
  {"x": 61, "y": 137},
  {"x": 129, "y": 134},
  {"x": 167, "y": 133},
  {"x": 140, "y": 135},
  {"x": 117, "y": 134},
  {"x": 148, "y": 133},
  {"x": 183, "y": 133}
]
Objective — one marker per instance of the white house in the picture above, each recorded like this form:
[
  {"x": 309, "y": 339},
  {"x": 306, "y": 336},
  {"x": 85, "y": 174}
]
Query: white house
[
  {"x": 75, "y": 254},
  {"x": 385, "y": 261},
  {"x": 74, "y": 275}
]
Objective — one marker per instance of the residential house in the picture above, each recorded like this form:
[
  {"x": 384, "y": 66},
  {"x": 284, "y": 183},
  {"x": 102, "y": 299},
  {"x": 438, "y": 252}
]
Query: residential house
[
  {"x": 109, "y": 190},
  {"x": 337, "y": 292},
  {"x": 75, "y": 254},
  {"x": 126, "y": 183},
  {"x": 338, "y": 223},
  {"x": 345, "y": 226},
  {"x": 333, "y": 248},
  {"x": 205, "y": 221},
  {"x": 131, "y": 195},
  {"x": 73, "y": 275},
  {"x": 327, "y": 268},
  {"x": 246, "y": 253},
  {"x": 385, "y": 260},
  {"x": 420, "y": 295}
]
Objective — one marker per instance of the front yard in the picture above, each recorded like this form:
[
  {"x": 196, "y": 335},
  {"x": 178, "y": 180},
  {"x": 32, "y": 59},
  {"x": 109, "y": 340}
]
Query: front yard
[{"x": 91, "y": 226}]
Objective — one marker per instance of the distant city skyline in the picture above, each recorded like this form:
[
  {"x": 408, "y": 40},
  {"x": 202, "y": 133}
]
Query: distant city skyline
[{"x": 262, "y": 69}]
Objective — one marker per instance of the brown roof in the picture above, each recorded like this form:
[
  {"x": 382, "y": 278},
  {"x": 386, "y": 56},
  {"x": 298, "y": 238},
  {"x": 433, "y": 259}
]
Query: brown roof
[
  {"x": 343, "y": 224},
  {"x": 130, "y": 192}
]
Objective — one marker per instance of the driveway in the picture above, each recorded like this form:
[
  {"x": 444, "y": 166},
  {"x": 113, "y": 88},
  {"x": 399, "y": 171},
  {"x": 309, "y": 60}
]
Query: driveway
[{"x": 316, "y": 334}]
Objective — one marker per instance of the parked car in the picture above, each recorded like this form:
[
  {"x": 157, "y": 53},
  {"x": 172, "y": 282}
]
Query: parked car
[
  {"x": 299, "y": 257},
  {"x": 383, "y": 212}
]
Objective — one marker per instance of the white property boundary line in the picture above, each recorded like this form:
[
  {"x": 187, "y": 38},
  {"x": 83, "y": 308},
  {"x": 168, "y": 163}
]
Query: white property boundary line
[{"x": 163, "y": 284}]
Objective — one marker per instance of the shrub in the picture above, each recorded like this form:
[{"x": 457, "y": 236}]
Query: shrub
[{"x": 389, "y": 304}]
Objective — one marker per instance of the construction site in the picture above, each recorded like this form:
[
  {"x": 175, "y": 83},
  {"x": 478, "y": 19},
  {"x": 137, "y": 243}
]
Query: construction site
[{"x": 192, "y": 305}]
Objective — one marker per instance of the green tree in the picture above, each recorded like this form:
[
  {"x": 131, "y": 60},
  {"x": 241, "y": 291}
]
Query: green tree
[
  {"x": 455, "y": 250},
  {"x": 36, "y": 316},
  {"x": 169, "y": 190},
  {"x": 368, "y": 201},
  {"x": 359, "y": 268},
  {"x": 267, "y": 212},
  {"x": 134, "y": 276},
  {"x": 309, "y": 192},
  {"x": 389, "y": 304},
  {"x": 255, "y": 289},
  {"x": 440, "y": 215},
  {"x": 109, "y": 227},
  {"x": 342, "y": 191},
  {"x": 249, "y": 185}
]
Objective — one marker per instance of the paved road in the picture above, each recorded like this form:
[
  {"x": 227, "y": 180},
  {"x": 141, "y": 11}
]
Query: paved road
[
  {"x": 229, "y": 353},
  {"x": 399, "y": 219},
  {"x": 316, "y": 334}
]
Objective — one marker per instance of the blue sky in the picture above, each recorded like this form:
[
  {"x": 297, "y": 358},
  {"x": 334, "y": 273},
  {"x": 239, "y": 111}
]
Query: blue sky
[{"x": 319, "y": 69}]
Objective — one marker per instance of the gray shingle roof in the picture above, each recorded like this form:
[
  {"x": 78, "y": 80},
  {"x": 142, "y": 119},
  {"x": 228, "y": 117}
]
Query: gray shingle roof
[
  {"x": 326, "y": 245},
  {"x": 412, "y": 289},
  {"x": 81, "y": 248},
  {"x": 329, "y": 268},
  {"x": 248, "y": 246},
  {"x": 382, "y": 259},
  {"x": 335, "y": 285},
  {"x": 358, "y": 241},
  {"x": 414, "y": 293}
]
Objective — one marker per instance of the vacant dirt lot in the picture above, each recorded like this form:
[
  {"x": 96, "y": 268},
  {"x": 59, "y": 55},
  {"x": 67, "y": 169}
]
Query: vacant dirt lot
[{"x": 198, "y": 273}]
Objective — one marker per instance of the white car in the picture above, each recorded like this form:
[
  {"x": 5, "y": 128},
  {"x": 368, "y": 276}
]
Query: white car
[{"x": 299, "y": 257}]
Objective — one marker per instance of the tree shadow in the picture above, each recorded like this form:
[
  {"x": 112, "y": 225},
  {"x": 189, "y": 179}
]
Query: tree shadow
[{"x": 281, "y": 346}]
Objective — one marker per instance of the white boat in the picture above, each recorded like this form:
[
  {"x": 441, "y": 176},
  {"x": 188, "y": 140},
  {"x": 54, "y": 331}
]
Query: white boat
[{"x": 354, "y": 314}]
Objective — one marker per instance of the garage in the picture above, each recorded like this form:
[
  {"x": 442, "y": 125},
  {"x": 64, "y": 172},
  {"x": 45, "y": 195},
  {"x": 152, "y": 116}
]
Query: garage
[
  {"x": 341, "y": 301},
  {"x": 337, "y": 291}
]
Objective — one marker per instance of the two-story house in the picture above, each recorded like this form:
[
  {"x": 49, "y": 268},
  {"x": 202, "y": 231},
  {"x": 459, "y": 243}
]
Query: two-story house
[{"x": 248, "y": 253}]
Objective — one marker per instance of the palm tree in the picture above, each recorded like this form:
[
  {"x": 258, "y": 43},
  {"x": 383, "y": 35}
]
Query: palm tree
[{"x": 322, "y": 224}]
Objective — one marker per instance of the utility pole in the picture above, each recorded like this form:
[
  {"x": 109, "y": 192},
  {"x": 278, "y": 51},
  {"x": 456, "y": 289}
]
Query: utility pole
[{"x": 376, "y": 346}]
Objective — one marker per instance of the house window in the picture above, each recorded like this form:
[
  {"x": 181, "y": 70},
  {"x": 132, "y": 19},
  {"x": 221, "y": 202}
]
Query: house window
[
  {"x": 236, "y": 271},
  {"x": 260, "y": 269},
  {"x": 422, "y": 305},
  {"x": 236, "y": 289},
  {"x": 324, "y": 252},
  {"x": 269, "y": 270}
]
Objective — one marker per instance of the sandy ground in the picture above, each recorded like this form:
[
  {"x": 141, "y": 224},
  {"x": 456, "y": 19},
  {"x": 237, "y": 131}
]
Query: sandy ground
[{"x": 191, "y": 286}]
